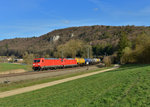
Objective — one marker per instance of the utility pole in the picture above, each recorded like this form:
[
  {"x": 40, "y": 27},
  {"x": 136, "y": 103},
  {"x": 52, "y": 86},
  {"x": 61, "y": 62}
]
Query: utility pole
[
  {"x": 62, "y": 54},
  {"x": 88, "y": 55},
  {"x": 88, "y": 52}
]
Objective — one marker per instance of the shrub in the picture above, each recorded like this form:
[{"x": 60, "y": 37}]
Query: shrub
[
  {"x": 107, "y": 61},
  {"x": 28, "y": 58},
  {"x": 140, "y": 53}
]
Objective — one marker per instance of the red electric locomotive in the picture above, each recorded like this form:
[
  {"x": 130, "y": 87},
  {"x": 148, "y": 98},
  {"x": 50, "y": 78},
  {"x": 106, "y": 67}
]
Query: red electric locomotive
[
  {"x": 69, "y": 62},
  {"x": 50, "y": 63}
]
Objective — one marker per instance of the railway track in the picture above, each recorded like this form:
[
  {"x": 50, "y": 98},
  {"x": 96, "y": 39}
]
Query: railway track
[{"x": 45, "y": 71}]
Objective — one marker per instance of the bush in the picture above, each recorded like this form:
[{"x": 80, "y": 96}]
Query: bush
[
  {"x": 28, "y": 58},
  {"x": 126, "y": 57},
  {"x": 107, "y": 61},
  {"x": 140, "y": 53}
]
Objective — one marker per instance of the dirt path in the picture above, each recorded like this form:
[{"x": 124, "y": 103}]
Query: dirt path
[
  {"x": 13, "y": 71},
  {"x": 39, "y": 86}
]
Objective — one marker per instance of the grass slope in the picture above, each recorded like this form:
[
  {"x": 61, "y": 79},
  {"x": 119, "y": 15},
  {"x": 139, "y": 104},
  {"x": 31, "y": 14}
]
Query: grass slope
[
  {"x": 127, "y": 86},
  {"x": 26, "y": 83},
  {"x": 9, "y": 66}
]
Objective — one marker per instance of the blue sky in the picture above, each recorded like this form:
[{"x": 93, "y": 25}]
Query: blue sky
[{"x": 27, "y": 18}]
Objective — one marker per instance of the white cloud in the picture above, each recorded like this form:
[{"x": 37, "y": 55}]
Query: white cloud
[
  {"x": 145, "y": 10},
  {"x": 134, "y": 13},
  {"x": 117, "y": 12},
  {"x": 103, "y": 6},
  {"x": 96, "y": 9},
  {"x": 66, "y": 21}
]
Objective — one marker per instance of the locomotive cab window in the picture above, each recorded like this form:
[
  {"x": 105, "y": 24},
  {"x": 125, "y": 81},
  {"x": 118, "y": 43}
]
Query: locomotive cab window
[{"x": 36, "y": 61}]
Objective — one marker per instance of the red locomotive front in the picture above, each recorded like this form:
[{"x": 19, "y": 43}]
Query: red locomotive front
[{"x": 37, "y": 64}]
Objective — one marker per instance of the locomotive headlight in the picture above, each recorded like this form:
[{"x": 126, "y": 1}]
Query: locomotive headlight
[
  {"x": 33, "y": 64},
  {"x": 38, "y": 64}
]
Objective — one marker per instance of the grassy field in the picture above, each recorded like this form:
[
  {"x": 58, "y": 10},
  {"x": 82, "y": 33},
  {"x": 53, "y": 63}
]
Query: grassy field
[
  {"x": 127, "y": 86},
  {"x": 9, "y": 66},
  {"x": 21, "y": 84}
]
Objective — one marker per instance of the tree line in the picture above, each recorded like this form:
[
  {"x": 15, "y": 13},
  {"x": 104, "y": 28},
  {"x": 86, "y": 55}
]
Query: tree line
[
  {"x": 127, "y": 51},
  {"x": 136, "y": 51}
]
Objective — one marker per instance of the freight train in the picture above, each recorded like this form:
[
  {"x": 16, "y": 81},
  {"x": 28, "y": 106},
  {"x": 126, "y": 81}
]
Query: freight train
[{"x": 54, "y": 63}]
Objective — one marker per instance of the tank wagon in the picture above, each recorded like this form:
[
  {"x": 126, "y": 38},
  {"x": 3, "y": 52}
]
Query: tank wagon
[
  {"x": 88, "y": 61},
  {"x": 80, "y": 61}
]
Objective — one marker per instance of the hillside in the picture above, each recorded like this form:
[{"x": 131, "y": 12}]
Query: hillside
[{"x": 46, "y": 44}]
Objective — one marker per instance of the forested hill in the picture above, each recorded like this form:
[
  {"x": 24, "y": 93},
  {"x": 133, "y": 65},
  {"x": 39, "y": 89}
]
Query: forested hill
[{"x": 47, "y": 44}]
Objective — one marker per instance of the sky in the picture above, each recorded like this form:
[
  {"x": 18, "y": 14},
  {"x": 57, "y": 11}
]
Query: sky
[{"x": 28, "y": 18}]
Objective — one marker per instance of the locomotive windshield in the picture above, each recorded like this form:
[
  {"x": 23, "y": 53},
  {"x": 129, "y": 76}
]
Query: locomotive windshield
[{"x": 36, "y": 61}]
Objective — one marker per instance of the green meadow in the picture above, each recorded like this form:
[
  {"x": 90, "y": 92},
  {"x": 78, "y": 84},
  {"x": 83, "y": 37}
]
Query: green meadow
[
  {"x": 10, "y": 66},
  {"x": 128, "y": 86}
]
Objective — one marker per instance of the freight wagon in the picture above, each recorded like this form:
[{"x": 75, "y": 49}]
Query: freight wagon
[
  {"x": 88, "y": 61},
  {"x": 80, "y": 61}
]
